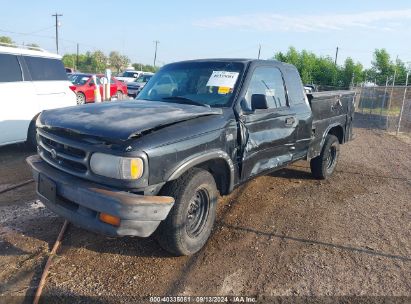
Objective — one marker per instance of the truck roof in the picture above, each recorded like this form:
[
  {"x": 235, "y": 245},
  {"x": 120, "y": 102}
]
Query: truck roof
[
  {"x": 241, "y": 60},
  {"x": 27, "y": 52}
]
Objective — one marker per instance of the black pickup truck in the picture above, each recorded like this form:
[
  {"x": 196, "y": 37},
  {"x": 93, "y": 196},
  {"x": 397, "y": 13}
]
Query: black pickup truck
[{"x": 200, "y": 128}]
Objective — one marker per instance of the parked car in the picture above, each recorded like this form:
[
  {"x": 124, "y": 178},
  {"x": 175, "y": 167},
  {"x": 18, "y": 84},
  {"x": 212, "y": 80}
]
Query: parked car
[
  {"x": 163, "y": 85},
  {"x": 30, "y": 81},
  {"x": 129, "y": 75},
  {"x": 310, "y": 88},
  {"x": 138, "y": 84},
  {"x": 158, "y": 163},
  {"x": 70, "y": 70},
  {"x": 84, "y": 86}
]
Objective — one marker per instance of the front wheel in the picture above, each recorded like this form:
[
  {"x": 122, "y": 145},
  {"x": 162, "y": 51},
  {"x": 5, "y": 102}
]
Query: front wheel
[
  {"x": 189, "y": 223},
  {"x": 324, "y": 165}
]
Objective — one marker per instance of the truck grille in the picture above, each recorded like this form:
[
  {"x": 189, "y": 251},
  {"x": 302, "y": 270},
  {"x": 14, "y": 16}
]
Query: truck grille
[{"x": 63, "y": 153}]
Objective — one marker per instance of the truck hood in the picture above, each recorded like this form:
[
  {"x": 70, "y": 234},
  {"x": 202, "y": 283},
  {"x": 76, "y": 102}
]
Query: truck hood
[
  {"x": 135, "y": 85},
  {"x": 125, "y": 79},
  {"x": 121, "y": 120}
]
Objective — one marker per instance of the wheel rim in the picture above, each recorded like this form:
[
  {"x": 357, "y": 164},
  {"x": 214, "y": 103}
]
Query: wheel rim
[
  {"x": 332, "y": 155},
  {"x": 197, "y": 213},
  {"x": 80, "y": 99}
]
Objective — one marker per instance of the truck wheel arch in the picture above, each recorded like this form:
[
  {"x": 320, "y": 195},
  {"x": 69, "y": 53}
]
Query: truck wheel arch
[
  {"x": 31, "y": 132},
  {"x": 217, "y": 162},
  {"x": 335, "y": 129}
]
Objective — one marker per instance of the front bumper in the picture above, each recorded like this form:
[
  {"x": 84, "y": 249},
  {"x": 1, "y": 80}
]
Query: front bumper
[{"x": 81, "y": 202}]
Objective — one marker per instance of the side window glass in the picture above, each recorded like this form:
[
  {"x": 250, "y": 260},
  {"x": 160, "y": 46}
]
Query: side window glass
[
  {"x": 267, "y": 81},
  {"x": 9, "y": 68},
  {"x": 45, "y": 68}
]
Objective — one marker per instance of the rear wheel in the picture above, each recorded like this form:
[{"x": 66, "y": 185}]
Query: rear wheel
[
  {"x": 189, "y": 223},
  {"x": 324, "y": 165},
  {"x": 81, "y": 98}
]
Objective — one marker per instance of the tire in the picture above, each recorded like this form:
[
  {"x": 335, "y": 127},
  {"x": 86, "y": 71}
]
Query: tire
[
  {"x": 120, "y": 95},
  {"x": 81, "y": 98},
  {"x": 324, "y": 165},
  {"x": 31, "y": 135},
  {"x": 189, "y": 223}
]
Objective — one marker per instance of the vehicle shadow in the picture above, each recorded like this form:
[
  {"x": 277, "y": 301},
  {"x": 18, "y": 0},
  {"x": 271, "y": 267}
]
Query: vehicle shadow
[{"x": 292, "y": 172}]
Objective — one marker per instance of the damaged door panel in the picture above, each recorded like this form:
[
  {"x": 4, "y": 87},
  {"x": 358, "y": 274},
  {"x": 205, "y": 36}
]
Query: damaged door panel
[{"x": 270, "y": 138}]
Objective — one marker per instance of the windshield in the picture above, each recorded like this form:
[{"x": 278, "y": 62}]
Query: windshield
[
  {"x": 204, "y": 83},
  {"x": 130, "y": 74},
  {"x": 142, "y": 79},
  {"x": 79, "y": 79}
]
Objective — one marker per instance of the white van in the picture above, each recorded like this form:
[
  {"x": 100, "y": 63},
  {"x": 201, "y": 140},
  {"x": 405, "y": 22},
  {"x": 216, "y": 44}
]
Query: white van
[{"x": 30, "y": 81}]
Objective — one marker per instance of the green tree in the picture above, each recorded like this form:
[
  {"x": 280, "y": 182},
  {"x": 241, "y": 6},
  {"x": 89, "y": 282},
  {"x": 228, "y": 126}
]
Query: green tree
[
  {"x": 313, "y": 69},
  {"x": 118, "y": 61},
  {"x": 7, "y": 40},
  {"x": 99, "y": 61},
  {"x": 381, "y": 67},
  {"x": 33, "y": 46},
  {"x": 351, "y": 73},
  {"x": 144, "y": 67}
]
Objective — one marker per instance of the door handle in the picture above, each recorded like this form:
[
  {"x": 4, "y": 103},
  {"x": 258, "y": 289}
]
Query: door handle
[{"x": 289, "y": 121}]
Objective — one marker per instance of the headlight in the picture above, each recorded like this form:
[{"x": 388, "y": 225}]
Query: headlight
[{"x": 116, "y": 166}]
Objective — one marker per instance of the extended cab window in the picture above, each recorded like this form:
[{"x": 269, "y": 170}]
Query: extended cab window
[
  {"x": 45, "y": 68},
  {"x": 10, "y": 68},
  {"x": 267, "y": 81}
]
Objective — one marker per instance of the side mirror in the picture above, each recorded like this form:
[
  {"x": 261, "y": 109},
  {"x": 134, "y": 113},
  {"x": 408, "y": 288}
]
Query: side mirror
[
  {"x": 91, "y": 84},
  {"x": 258, "y": 102}
]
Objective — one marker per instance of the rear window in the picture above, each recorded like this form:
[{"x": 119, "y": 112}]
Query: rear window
[
  {"x": 9, "y": 68},
  {"x": 45, "y": 68}
]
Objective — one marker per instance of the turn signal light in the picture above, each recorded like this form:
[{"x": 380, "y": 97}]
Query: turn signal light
[{"x": 109, "y": 219}]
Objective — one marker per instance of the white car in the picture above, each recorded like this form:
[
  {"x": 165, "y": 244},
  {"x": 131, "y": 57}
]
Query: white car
[
  {"x": 129, "y": 75},
  {"x": 30, "y": 81}
]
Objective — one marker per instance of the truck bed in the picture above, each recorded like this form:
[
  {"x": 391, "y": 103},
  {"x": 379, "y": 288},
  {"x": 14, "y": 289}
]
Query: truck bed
[{"x": 330, "y": 108}]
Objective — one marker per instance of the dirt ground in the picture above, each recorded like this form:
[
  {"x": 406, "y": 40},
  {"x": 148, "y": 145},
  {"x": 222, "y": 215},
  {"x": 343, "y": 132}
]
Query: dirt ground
[{"x": 281, "y": 235}]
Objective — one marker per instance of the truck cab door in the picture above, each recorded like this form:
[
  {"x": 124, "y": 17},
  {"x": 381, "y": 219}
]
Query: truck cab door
[{"x": 268, "y": 125}]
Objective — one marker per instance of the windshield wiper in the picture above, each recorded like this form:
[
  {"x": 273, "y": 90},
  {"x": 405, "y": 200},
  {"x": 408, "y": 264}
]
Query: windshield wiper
[{"x": 186, "y": 101}]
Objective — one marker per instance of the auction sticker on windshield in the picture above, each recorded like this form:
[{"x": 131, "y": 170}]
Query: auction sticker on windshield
[{"x": 222, "y": 79}]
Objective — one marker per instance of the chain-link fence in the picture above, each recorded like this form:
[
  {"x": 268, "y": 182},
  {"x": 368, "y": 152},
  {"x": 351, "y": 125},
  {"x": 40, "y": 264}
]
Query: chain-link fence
[{"x": 387, "y": 108}]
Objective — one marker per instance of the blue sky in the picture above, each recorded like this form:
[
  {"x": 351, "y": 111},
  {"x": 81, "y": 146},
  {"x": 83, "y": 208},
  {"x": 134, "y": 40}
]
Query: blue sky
[{"x": 201, "y": 29}]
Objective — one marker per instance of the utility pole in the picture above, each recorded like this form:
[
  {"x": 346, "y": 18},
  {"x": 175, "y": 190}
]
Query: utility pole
[
  {"x": 57, "y": 31},
  {"x": 259, "y": 51},
  {"x": 156, "y": 42},
  {"x": 77, "y": 56},
  {"x": 336, "y": 56}
]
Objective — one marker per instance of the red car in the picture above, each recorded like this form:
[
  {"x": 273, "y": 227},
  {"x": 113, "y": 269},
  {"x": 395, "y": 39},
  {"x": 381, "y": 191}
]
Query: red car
[{"x": 84, "y": 86}]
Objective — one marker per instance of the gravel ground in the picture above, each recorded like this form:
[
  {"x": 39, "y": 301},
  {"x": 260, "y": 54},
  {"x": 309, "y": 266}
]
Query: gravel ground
[{"x": 284, "y": 234}]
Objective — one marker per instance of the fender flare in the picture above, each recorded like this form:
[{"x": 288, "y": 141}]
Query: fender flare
[
  {"x": 337, "y": 124},
  {"x": 201, "y": 158}
]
